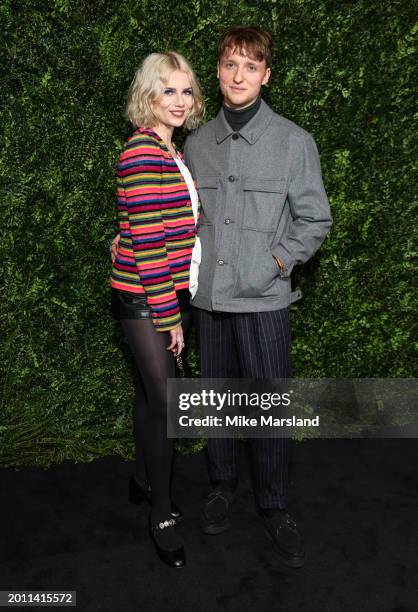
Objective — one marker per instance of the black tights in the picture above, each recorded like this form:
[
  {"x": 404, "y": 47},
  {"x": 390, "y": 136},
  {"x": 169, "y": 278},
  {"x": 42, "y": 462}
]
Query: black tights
[{"x": 155, "y": 364}]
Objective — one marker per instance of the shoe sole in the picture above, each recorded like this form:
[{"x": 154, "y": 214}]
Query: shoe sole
[
  {"x": 219, "y": 527},
  {"x": 216, "y": 529},
  {"x": 162, "y": 557},
  {"x": 293, "y": 563},
  {"x": 164, "y": 560}
]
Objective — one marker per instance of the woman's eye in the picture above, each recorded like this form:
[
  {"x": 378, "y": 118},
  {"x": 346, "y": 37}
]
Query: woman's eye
[
  {"x": 189, "y": 92},
  {"x": 168, "y": 92}
]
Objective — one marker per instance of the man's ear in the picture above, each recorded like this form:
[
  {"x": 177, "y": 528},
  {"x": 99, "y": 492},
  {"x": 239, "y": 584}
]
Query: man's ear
[
  {"x": 266, "y": 77},
  {"x": 217, "y": 70}
]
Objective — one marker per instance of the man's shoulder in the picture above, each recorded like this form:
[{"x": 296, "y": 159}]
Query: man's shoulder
[
  {"x": 279, "y": 126},
  {"x": 286, "y": 127},
  {"x": 202, "y": 132}
]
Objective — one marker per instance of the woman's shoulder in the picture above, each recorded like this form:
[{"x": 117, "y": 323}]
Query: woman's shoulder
[{"x": 142, "y": 142}]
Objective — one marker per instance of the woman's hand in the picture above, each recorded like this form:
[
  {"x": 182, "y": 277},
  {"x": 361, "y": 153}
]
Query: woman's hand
[
  {"x": 177, "y": 340},
  {"x": 114, "y": 247}
]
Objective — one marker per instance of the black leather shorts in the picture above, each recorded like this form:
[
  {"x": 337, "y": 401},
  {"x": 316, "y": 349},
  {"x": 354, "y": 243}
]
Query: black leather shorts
[{"x": 126, "y": 305}]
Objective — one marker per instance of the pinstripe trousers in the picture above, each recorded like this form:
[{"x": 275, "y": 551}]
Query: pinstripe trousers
[{"x": 247, "y": 345}]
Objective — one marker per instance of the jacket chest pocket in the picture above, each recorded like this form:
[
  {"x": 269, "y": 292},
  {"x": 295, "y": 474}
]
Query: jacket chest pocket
[
  {"x": 208, "y": 193},
  {"x": 263, "y": 200}
]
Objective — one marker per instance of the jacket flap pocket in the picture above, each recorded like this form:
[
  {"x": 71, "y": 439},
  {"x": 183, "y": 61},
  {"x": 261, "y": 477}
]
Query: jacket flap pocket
[
  {"x": 207, "y": 182},
  {"x": 264, "y": 184}
]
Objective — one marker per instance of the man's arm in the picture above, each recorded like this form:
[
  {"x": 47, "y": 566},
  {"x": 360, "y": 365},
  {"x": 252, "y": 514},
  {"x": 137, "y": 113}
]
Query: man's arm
[
  {"x": 187, "y": 154},
  {"x": 114, "y": 247},
  {"x": 309, "y": 208}
]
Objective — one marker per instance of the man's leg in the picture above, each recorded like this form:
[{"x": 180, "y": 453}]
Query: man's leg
[
  {"x": 218, "y": 359},
  {"x": 263, "y": 343}
]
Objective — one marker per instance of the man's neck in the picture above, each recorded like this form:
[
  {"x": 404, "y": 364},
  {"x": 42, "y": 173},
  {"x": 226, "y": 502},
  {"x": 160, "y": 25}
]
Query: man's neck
[{"x": 237, "y": 118}]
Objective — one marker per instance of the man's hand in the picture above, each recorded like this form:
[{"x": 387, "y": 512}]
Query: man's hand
[
  {"x": 114, "y": 247},
  {"x": 177, "y": 340},
  {"x": 279, "y": 263}
]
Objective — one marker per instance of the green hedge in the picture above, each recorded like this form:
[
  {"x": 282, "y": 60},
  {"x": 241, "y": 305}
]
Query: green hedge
[{"x": 343, "y": 70}]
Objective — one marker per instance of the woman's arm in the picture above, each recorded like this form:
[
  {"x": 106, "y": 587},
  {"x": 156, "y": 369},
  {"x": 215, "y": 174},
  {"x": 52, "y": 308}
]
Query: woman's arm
[{"x": 139, "y": 180}]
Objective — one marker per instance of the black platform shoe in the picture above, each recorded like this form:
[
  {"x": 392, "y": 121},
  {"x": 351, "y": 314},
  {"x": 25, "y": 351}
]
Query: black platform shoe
[
  {"x": 216, "y": 510},
  {"x": 173, "y": 558},
  {"x": 283, "y": 531},
  {"x": 138, "y": 494}
]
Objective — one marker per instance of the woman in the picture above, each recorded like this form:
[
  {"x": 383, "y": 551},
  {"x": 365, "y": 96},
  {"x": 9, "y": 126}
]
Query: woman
[{"x": 150, "y": 275}]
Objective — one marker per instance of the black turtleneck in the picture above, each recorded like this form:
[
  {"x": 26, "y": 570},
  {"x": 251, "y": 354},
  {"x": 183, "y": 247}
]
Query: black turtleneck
[{"x": 238, "y": 117}]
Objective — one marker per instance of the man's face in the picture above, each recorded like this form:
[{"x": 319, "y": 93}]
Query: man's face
[{"x": 241, "y": 77}]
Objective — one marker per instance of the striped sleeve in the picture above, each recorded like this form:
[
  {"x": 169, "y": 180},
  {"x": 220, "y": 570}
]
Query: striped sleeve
[{"x": 139, "y": 193}]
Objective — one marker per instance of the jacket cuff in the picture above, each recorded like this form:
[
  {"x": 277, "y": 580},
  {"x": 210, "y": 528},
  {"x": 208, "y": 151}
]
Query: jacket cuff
[{"x": 164, "y": 324}]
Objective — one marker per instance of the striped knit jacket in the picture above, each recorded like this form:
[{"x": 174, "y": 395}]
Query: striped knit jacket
[{"x": 157, "y": 227}]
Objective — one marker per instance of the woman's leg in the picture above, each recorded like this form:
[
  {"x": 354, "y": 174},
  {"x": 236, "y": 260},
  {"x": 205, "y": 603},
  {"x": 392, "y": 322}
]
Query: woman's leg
[
  {"x": 155, "y": 364},
  {"x": 138, "y": 419}
]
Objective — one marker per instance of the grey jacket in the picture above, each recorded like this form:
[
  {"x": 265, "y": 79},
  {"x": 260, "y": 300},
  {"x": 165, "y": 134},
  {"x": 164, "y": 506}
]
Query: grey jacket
[{"x": 261, "y": 195}]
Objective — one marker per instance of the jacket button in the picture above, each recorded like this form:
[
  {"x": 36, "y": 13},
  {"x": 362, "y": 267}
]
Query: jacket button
[
  {"x": 235, "y": 136},
  {"x": 231, "y": 179},
  {"x": 227, "y": 221},
  {"x": 221, "y": 262}
]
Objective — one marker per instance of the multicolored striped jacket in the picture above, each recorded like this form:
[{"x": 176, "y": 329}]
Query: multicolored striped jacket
[{"x": 157, "y": 229}]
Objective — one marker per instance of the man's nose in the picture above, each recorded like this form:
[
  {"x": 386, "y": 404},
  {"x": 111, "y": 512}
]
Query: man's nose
[{"x": 238, "y": 75}]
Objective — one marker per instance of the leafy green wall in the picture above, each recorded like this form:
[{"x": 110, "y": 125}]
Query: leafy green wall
[{"x": 343, "y": 70}]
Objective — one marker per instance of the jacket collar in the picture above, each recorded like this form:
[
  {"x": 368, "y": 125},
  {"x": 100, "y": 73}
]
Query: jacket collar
[
  {"x": 151, "y": 132},
  {"x": 251, "y": 131}
]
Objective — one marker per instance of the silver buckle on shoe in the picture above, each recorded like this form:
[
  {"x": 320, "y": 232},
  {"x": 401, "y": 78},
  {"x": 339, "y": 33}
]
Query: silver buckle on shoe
[{"x": 167, "y": 523}]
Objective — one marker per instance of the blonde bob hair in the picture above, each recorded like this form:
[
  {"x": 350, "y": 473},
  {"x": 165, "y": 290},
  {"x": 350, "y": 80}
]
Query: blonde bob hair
[{"x": 148, "y": 84}]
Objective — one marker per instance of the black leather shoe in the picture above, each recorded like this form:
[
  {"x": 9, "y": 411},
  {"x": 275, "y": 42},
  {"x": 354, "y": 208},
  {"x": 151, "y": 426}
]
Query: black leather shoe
[
  {"x": 216, "y": 509},
  {"x": 283, "y": 530},
  {"x": 138, "y": 494},
  {"x": 173, "y": 558}
]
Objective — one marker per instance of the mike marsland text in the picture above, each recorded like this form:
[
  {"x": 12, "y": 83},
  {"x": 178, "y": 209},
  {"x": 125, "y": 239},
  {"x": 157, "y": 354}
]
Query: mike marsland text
[{"x": 243, "y": 421}]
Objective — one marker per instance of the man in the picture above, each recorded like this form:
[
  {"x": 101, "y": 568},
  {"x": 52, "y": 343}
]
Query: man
[{"x": 264, "y": 209}]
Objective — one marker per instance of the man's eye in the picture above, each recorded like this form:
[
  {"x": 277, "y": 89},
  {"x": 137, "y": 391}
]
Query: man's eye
[
  {"x": 252, "y": 67},
  {"x": 229, "y": 65}
]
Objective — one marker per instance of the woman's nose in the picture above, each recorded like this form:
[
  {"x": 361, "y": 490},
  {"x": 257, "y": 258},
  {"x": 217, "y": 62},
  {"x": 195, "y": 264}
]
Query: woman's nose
[{"x": 179, "y": 101}]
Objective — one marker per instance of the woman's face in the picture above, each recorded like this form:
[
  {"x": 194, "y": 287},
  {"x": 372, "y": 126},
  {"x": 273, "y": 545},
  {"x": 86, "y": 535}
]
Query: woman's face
[{"x": 176, "y": 101}]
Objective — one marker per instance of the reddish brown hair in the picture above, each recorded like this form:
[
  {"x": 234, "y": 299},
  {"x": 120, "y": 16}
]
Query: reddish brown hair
[{"x": 257, "y": 43}]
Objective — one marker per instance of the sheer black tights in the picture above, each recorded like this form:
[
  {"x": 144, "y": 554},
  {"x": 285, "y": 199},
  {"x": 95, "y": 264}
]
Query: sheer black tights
[{"x": 155, "y": 364}]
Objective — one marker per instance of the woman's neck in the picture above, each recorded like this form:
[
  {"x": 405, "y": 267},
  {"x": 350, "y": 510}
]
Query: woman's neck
[{"x": 165, "y": 132}]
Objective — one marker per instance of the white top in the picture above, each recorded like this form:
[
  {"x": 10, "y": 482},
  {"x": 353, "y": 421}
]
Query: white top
[
  {"x": 190, "y": 186},
  {"x": 197, "y": 249}
]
